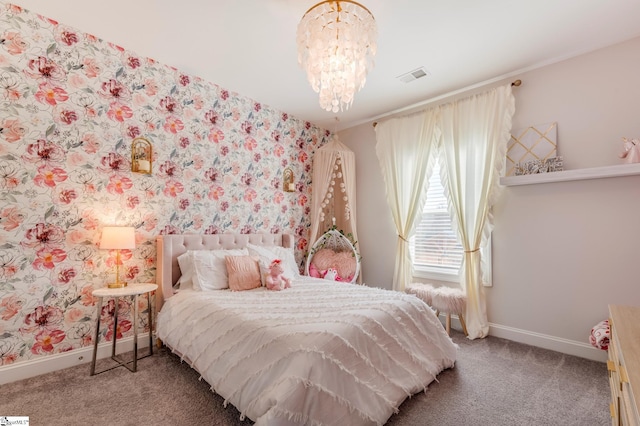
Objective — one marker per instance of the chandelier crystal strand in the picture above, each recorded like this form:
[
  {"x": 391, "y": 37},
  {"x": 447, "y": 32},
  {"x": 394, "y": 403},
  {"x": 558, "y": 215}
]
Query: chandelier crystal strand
[{"x": 336, "y": 46}]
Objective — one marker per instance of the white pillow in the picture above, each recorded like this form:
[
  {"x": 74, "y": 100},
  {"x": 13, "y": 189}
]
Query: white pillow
[
  {"x": 206, "y": 269},
  {"x": 185, "y": 262},
  {"x": 267, "y": 254}
]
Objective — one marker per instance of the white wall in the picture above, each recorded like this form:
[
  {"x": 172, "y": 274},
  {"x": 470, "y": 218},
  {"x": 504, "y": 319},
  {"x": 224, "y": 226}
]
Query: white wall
[{"x": 561, "y": 251}]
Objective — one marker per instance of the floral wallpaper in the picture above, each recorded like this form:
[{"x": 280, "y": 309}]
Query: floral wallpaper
[{"x": 71, "y": 104}]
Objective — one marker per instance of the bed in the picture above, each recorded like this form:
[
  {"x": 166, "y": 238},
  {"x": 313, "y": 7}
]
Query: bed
[{"x": 318, "y": 353}]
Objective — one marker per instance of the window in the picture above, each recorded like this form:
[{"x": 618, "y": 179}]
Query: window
[{"x": 435, "y": 249}]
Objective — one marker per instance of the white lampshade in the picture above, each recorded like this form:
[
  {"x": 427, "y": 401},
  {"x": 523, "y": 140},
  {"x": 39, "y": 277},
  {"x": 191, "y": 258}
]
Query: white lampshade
[{"x": 118, "y": 237}]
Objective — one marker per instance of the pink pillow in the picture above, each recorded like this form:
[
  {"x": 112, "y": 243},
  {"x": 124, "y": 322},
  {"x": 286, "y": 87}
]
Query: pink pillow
[
  {"x": 345, "y": 263},
  {"x": 323, "y": 259},
  {"x": 313, "y": 271},
  {"x": 244, "y": 272}
]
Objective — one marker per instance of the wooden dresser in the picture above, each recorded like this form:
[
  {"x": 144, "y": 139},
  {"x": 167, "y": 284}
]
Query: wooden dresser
[{"x": 624, "y": 364}]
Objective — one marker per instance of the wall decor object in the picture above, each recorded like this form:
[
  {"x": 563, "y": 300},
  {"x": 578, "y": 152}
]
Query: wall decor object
[
  {"x": 631, "y": 153},
  {"x": 553, "y": 164},
  {"x": 538, "y": 142},
  {"x": 141, "y": 156},
  {"x": 288, "y": 184}
]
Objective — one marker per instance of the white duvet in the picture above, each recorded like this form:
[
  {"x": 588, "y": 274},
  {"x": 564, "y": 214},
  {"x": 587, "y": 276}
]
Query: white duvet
[{"x": 319, "y": 353}]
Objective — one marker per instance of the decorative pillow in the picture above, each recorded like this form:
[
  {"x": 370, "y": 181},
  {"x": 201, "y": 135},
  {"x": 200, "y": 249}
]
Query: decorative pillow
[
  {"x": 185, "y": 262},
  {"x": 345, "y": 262},
  {"x": 244, "y": 272},
  {"x": 323, "y": 259},
  {"x": 288, "y": 257},
  {"x": 267, "y": 254},
  {"x": 206, "y": 269}
]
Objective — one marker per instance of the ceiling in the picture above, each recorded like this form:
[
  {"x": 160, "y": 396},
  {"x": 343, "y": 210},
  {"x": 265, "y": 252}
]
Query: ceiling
[{"x": 248, "y": 46}]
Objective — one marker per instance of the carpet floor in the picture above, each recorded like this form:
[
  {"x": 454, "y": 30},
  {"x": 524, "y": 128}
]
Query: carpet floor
[{"x": 495, "y": 382}]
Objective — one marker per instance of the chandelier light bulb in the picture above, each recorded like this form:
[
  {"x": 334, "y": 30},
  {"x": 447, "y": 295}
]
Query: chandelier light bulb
[{"x": 336, "y": 46}]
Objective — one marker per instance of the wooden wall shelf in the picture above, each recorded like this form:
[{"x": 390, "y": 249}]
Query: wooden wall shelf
[{"x": 569, "y": 175}]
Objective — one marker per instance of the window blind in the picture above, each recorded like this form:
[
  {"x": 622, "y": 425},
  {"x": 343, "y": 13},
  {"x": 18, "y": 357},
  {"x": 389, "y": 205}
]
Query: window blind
[{"x": 434, "y": 246}]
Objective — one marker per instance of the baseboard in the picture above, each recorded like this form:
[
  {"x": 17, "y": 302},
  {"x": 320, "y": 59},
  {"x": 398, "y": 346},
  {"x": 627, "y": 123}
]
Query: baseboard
[
  {"x": 558, "y": 344},
  {"x": 24, "y": 370}
]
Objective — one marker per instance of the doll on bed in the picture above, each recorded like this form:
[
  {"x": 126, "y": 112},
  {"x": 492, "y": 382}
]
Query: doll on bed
[{"x": 275, "y": 280}]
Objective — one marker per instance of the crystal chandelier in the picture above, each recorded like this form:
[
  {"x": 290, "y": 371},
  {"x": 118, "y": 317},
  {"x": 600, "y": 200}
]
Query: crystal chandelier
[{"x": 336, "y": 45}]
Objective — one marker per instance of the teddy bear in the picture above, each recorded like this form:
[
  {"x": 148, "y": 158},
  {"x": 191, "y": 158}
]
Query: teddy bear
[{"x": 275, "y": 280}]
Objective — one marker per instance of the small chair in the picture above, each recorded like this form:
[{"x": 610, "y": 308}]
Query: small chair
[{"x": 443, "y": 299}]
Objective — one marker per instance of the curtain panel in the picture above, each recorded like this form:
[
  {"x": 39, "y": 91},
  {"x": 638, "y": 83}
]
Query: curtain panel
[
  {"x": 469, "y": 136},
  {"x": 475, "y": 133},
  {"x": 404, "y": 147}
]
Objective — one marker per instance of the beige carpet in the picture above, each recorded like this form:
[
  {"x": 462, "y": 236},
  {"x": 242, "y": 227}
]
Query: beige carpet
[{"x": 495, "y": 382}]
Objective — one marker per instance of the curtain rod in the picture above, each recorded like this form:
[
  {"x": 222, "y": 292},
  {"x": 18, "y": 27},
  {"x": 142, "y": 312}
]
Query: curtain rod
[{"x": 515, "y": 83}]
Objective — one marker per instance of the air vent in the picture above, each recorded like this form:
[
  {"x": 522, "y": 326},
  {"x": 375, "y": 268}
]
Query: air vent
[{"x": 413, "y": 75}]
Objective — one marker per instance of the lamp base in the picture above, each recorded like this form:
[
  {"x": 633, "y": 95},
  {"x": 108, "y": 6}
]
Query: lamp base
[{"x": 118, "y": 284}]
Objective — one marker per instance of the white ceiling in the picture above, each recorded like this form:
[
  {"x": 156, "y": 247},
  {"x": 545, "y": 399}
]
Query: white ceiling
[{"x": 248, "y": 46}]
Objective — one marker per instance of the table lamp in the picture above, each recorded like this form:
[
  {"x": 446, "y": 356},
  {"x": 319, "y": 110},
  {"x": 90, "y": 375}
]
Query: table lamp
[{"x": 117, "y": 238}]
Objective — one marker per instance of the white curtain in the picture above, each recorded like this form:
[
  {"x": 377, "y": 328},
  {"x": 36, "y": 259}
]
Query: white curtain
[
  {"x": 475, "y": 132},
  {"x": 404, "y": 147}
]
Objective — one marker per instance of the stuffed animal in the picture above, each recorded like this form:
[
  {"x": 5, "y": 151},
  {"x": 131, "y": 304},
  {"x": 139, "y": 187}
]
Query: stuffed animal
[
  {"x": 275, "y": 280},
  {"x": 332, "y": 274},
  {"x": 631, "y": 152}
]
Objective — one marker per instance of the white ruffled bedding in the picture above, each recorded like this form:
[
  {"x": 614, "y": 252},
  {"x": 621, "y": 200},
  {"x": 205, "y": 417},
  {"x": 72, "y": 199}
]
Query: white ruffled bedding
[{"x": 319, "y": 353}]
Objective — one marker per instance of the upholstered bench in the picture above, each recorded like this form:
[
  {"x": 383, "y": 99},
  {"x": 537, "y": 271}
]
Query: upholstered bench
[{"x": 443, "y": 299}]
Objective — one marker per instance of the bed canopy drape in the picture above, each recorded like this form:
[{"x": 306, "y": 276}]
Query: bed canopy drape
[{"x": 333, "y": 199}]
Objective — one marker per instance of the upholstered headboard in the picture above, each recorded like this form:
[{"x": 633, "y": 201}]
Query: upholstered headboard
[{"x": 169, "y": 247}]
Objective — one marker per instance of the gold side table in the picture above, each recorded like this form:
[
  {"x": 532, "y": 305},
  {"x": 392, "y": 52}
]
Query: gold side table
[{"x": 132, "y": 290}]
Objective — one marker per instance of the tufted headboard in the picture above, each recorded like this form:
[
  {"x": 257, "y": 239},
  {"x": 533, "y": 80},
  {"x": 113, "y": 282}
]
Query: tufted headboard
[{"x": 169, "y": 247}]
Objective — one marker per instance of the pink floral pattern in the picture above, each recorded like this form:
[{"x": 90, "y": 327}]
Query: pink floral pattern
[{"x": 71, "y": 105}]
